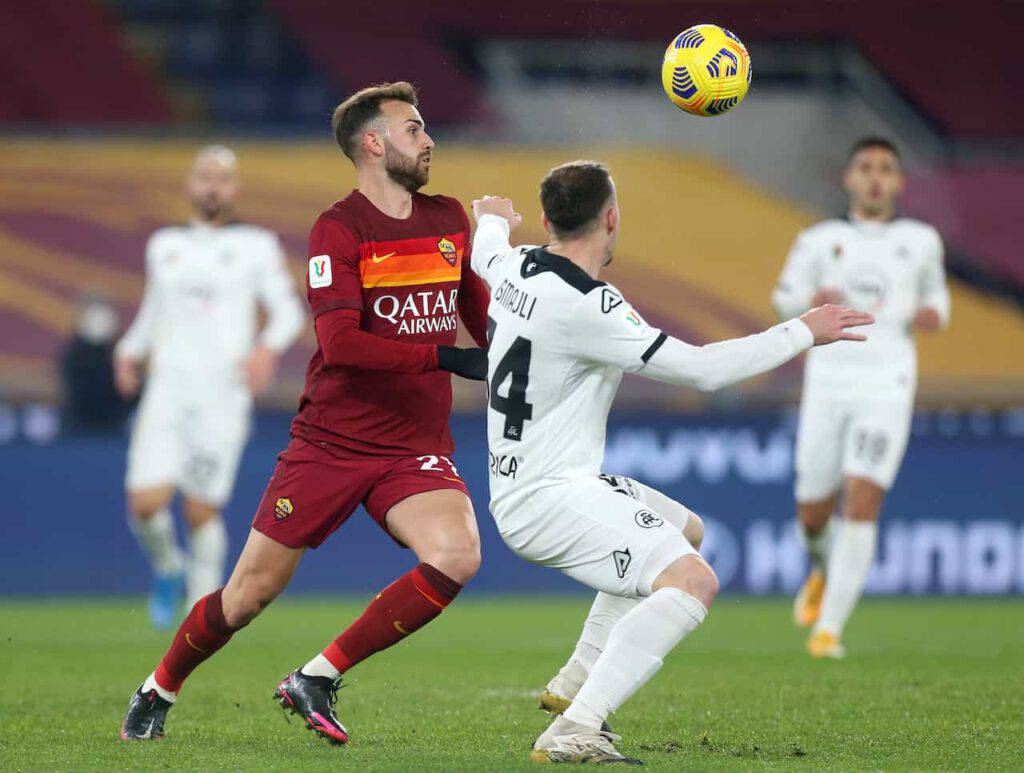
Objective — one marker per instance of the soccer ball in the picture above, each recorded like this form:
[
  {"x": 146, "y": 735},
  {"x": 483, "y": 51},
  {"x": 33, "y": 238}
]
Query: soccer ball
[{"x": 706, "y": 70}]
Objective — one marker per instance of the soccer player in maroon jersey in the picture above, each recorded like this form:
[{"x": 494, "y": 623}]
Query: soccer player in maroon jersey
[{"x": 388, "y": 272}]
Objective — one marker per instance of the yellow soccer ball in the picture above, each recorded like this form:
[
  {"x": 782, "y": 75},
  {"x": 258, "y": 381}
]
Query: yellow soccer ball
[{"x": 706, "y": 70}]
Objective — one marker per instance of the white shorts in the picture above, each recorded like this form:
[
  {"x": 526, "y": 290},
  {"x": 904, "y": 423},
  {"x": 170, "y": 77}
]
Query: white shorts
[
  {"x": 839, "y": 436},
  {"x": 600, "y": 531},
  {"x": 192, "y": 444}
]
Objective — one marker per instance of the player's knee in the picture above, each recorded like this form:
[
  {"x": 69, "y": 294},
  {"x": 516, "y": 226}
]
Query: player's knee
[
  {"x": 243, "y": 599},
  {"x": 459, "y": 559},
  {"x": 197, "y": 513},
  {"x": 814, "y": 516},
  {"x": 145, "y": 504},
  {"x": 693, "y": 575},
  {"x": 693, "y": 531},
  {"x": 863, "y": 501}
]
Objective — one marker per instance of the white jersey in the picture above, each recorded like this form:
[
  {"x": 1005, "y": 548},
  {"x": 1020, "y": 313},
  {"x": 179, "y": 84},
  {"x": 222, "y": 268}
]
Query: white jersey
[
  {"x": 559, "y": 343},
  {"x": 199, "y": 315},
  {"x": 889, "y": 269}
]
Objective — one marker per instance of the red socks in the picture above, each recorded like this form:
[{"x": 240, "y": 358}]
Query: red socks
[
  {"x": 406, "y": 605},
  {"x": 201, "y": 634}
]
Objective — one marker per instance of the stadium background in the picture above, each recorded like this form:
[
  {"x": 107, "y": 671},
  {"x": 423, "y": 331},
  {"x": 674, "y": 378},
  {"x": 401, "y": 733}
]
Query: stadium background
[{"x": 97, "y": 137}]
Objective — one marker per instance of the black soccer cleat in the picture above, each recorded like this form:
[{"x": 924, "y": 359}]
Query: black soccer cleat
[
  {"x": 312, "y": 698},
  {"x": 146, "y": 715}
]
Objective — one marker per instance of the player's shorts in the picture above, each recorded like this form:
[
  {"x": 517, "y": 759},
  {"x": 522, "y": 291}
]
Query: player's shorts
[
  {"x": 316, "y": 487},
  {"x": 839, "y": 436},
  {"x": 192, "y": 444},
  {"x": 600, "y": 531}
]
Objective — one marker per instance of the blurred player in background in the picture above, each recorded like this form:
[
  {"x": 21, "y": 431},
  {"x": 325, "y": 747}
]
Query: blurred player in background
[
  {"x": 857, "y": 400},
  {"x": 560, "y": 340},
  {"x": 388, "y": 277},
  {"x": 197, "y": 333}
]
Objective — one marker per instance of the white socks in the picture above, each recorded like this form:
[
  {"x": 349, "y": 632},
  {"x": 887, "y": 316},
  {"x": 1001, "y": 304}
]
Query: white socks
[
  {"x": 157, "y": 539},
  {"x": 848, "y": 567},
  {"x": 634, "y": 653},
  {"x": 209, "y": 542},
  {"x": 818, "y": 545},
  {"x": 151, "y": 684},
  {"x": 605, "y": 612},
  {"x": 320, "y": 666}
]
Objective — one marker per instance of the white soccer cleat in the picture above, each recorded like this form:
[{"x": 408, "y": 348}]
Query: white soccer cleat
[{"x": 569, "y": 743}]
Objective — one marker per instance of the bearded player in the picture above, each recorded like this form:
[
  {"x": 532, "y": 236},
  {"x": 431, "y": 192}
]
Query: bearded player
[
  {"x": 857, "y": 400},
  {"x": 388, "y": 274}
]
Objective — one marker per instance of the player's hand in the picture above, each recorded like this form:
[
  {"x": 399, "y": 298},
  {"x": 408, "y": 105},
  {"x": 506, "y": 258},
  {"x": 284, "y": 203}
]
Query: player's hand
[
  {"x": 468, "y": 363},
  {"x": 927, "y": 319},
  {"x": 827, "y": 295},
  {"x": 497, "y": 205},
  {"x": 829, "y": 323},
  {"x": 127, "y": 378},
  {"x": 260, "y": 369}
]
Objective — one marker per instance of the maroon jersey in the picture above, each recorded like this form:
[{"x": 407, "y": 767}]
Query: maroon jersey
[{"x": 408, "y": 280}]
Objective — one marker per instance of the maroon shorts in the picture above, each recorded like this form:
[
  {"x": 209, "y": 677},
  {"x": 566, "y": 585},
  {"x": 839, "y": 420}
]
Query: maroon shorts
[{"x": 315, "y": 488}]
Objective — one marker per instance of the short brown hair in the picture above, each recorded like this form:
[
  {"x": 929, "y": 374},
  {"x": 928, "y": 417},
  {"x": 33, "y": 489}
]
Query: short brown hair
[
  {"x": 352, "y": 115},
  {"x": 572, "y": 196},
  {"x": 873, "y": 142}
]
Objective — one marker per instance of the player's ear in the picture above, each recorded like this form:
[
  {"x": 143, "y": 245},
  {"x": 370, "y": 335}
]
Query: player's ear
[
  {"x": 545, "y": 222},
  {"x": 373, "y": 142},
  {"x": 611, "y": 219}
]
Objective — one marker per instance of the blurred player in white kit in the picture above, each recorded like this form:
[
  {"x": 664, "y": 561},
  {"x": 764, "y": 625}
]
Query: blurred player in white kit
[
  {"x": 197, "y": 332},
  {"x": 857, "y": 401}
]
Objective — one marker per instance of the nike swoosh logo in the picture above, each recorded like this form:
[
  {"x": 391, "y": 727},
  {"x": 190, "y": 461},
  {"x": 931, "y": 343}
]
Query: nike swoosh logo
[
  {"x": 382, "y": 258},
  {"x": 149, "y": 730},
  {"x": 400, "y": 629},
  {"x": 188, "y": 638}
]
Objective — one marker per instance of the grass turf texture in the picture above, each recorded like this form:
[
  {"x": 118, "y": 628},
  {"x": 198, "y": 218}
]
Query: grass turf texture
[{"x": 928, "y": 684}]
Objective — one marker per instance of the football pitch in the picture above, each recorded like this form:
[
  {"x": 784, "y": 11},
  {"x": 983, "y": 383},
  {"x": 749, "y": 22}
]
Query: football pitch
[{"x": 928, "y": 684}]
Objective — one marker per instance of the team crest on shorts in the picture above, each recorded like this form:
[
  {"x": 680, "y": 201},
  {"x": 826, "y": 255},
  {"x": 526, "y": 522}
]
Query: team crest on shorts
[
  {"x": 283, "y": 508},
  {"x": 645, "y": 519},
  {"x": 447, "y": 249}
]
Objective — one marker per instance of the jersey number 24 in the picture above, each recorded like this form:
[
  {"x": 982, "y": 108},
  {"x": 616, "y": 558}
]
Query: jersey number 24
[{"x": 514, "y": 364}]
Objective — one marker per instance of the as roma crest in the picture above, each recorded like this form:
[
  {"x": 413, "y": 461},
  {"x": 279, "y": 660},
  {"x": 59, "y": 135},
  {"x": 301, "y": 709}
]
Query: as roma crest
[
  {"x": 283, "y": 508},
  {"x": 447, "y": 250}
]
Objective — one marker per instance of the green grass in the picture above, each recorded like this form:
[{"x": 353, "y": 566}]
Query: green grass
[{"x": 928, "y": 684}]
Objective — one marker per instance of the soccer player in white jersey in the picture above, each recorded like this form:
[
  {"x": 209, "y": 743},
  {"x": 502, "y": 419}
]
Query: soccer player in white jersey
[
  {"x": 560, "y": 340},
  {"x": 857, "y": 400},
  {"x": 196, "y": 330}
]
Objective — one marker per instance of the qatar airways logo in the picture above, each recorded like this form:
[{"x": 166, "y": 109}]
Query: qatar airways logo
[{"x": 427, "y": 311}]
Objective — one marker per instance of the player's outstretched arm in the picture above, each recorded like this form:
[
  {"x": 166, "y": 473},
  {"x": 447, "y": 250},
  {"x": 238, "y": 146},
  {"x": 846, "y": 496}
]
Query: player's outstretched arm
[
  {"x": 718, "y": 365},
  {"x": 495, "y": 218}
]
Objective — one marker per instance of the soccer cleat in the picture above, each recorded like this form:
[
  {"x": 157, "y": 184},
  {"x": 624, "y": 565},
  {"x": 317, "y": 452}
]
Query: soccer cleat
[
  {"x": 559, "y": 692},
  {"x": 557, "y": 696},
  {"x": 825, "y": 644},
  {"x": 312, "y": 698},
  {"x": 566, "y": 742},
  {"x": 144, "y": 721},
  {"x": 165, "y": 599},
  {"x": 807, "y": 604}
]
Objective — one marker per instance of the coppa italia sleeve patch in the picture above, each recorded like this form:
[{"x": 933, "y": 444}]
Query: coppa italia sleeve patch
[{"x": 320, "y": 271}]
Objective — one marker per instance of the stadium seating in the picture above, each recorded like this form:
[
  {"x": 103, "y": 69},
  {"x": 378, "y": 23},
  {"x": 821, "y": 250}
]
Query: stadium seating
[
  {"x": 82, "y": 213},
  {"x": 65, "y": 64}
]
